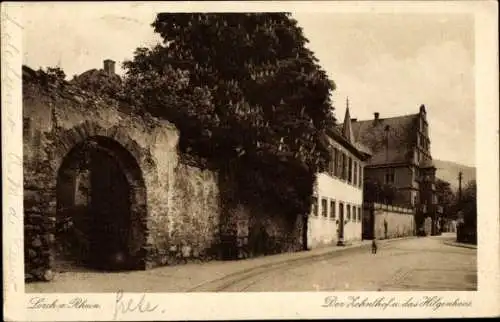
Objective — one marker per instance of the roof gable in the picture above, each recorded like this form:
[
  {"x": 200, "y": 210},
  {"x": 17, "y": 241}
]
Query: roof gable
[{"x": 391, "y": 140}]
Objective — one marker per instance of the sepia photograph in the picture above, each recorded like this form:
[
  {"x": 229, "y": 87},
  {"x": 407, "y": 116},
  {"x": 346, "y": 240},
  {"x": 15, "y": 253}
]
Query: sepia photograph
[{"x": 177, "y": 151}]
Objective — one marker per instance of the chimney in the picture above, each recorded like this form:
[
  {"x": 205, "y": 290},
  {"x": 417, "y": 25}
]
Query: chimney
[
  {"x": 376, "y": 114},
  {"x": 109, "y": 67}
]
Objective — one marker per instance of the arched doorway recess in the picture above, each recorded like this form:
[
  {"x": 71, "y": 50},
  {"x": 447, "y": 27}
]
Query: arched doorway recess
[{"x": 101, "y": 207}]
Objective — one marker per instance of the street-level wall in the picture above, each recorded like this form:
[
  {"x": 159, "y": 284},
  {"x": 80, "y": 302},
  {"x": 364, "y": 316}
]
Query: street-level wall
[
  {"x": 450, "y": 226},
  {"x": 171, "y": 202},
  {"x": 385, "y": 221},
  {"x": 249, "y": 230}
]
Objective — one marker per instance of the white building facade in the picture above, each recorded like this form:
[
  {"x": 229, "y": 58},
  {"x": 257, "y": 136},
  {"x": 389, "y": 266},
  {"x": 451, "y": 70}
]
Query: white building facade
[{"x": 337, "y": 206}]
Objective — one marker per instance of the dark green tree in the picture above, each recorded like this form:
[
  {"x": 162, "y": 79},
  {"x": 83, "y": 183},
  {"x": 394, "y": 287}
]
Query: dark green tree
[
  {"x": 247, "y": 95},
  {"x": 99, "y": 83},
  {"x": 388, "y": 194},
  {"x": 467, "y": 228},
  {"x": 445, "y": 196},
  {"x": 52, "y": 77},
  {"x": 468, "y": 204}
]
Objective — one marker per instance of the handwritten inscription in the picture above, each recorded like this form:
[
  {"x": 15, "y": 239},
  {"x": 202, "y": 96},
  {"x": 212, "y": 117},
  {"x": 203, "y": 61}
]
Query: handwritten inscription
[
  {"x": 42, "y": 303},
  {"x": 383, "y": 302},
  {"x": 126, "y": 304},
  {"x": 11, "y": 80}
]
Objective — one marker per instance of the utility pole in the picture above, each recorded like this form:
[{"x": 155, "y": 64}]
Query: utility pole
[
  {"x": 459, "y": 213},
  {"x": 460, "y": 187}
]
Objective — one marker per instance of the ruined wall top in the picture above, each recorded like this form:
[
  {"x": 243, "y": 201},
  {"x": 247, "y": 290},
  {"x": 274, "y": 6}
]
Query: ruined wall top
[{"x": 53, "y": 90}]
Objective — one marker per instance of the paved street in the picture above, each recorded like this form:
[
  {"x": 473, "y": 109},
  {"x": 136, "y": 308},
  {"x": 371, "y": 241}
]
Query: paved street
[
  {"x": 416, "y": 264},
  {"x": 408, "y": 264}
]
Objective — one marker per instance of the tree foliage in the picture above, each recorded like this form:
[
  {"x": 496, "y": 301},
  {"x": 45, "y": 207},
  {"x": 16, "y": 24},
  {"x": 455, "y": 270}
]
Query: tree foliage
[
  {"x": 100, "y": 83},
  {"x": 445, "y": 196},
  {"x": 467, "y": 227},
  {"x": 468, "y": 204},
  {"x": 51, "y": 77},
  {"x": 247, "y": 96},
  {"x": 375, "y": 191}
]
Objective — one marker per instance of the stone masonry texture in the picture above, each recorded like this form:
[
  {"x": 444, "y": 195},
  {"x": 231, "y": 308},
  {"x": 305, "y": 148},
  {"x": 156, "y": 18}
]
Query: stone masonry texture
[
  {"x": 175, "y": 209},
  {"x": 173, "y": 203}
]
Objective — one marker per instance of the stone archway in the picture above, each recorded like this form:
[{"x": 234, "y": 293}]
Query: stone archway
[{"x": 101, "y": 205}]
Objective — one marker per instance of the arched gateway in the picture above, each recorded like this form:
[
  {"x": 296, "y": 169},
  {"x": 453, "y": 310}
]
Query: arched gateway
[{"x": 101, "y": 207}]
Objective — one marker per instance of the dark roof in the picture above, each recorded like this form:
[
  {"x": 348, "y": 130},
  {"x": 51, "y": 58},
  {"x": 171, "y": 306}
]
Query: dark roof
[
  {"x": 358, "y": 149},
  {"x": 401, "y": 138}
]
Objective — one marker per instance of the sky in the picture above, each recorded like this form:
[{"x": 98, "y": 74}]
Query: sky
[{"x": 386, "y": 63}]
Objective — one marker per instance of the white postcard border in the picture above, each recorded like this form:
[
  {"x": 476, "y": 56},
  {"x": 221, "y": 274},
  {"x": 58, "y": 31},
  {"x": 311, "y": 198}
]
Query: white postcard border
[{"x": 222, "y": 306}]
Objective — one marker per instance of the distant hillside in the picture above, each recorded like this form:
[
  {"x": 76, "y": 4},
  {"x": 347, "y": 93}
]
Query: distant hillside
[{"x": 448, "y": 171}]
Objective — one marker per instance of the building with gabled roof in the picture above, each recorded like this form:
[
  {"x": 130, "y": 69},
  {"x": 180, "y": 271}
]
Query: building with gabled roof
[
  {"x": 401, "y": 158},
  {"x": 336, "y": 215}
]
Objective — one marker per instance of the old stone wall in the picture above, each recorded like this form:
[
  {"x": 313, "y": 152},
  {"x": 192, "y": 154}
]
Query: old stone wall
[
  {"x": 390, "y": 222},
  {"x": 173, "y": 202},
  {"x": 194, "y": 215},
  {"x": 248, "y": 230},
  {"x": 250, "y": 233}
]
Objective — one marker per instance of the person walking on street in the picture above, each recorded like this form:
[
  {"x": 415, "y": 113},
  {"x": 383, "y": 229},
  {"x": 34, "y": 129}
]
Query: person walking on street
[{"x": 374, "y": 246}]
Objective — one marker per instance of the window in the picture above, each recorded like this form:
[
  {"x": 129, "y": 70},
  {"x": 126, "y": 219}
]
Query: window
[
  {"x": 360, "y": 175},
  {"x": 332, "y": 209},
  {"x": 331, "y": 168},
  {"x": 389, "y": 176},
  {"x": 355, "y": 180},
  {"x": 344, "y": 166},
  {"x": 349, "y": 173},
  {"x": 348, "y": 212},
  {"x": 353, "y": 213},
  {"x": 324, "y": 207},
  {"x": 334, "y": 160},
  {"x": 315, "y": 206},
  {"x": 338, "y": 169},
  {"x": 359, "y": 213}
]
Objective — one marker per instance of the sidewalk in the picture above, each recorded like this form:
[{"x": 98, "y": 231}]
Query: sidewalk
[
  {"x": 181, "y": 278},
  {"x": 457, "y": 244},
  {"x": 450, "y": 239}
]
